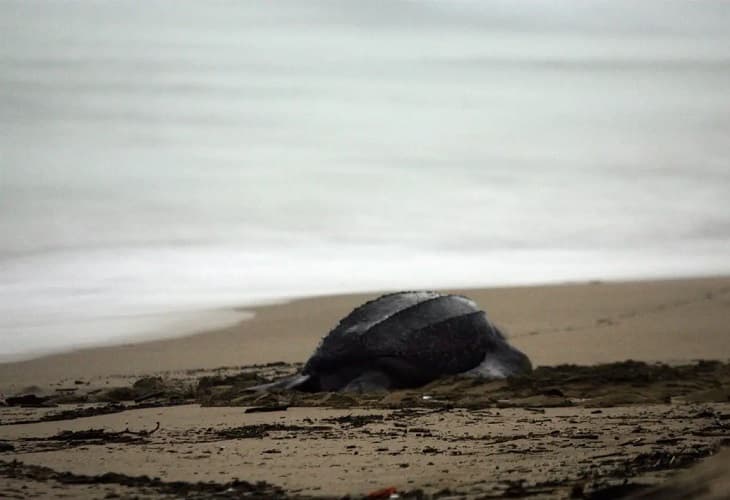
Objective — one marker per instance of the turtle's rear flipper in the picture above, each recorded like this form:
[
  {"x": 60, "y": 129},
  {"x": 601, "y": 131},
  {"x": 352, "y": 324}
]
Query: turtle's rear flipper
[
  {"x": 370, "y": 381},
  {"x": 284, "y": 384}
]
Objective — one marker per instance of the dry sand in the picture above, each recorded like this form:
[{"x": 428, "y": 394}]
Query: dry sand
[{"x": 567, "y": 431}]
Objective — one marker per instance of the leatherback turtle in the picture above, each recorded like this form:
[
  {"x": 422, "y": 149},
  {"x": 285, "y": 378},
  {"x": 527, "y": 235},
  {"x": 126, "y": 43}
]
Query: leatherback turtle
[{"x": 407, "y": 339}]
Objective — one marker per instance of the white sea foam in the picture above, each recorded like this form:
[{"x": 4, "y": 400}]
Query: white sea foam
[{"x": 171, "y": 160}]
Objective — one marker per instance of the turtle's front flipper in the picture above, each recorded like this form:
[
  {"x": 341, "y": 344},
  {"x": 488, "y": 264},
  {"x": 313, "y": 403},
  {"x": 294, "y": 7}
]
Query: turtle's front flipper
[{"x": 285, "y": 384}]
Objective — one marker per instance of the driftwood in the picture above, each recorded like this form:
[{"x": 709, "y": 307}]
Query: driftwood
[{"x": 30, "y": 400}]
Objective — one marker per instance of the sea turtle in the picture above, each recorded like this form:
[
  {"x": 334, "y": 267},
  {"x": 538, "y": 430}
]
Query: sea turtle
[{"x": 407, "y": 339}]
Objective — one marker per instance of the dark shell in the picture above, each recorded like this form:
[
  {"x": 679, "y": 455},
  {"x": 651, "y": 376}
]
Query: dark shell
[{"x": 410, "y": 338}]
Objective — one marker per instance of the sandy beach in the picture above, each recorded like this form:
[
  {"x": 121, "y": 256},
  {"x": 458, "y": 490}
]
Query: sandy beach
[
  {"x": 89, "y": 424},
  {"x": 194, "y": 195},
  {"x": 670, "y": 320}
]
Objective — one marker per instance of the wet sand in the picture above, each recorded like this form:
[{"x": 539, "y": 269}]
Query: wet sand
[{"x": 88, "y": 425}]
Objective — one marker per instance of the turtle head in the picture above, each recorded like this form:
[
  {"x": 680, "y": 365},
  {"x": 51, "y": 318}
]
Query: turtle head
[
  {"x": 501, "y": 361},
  {"x": 517, "y": 360}
]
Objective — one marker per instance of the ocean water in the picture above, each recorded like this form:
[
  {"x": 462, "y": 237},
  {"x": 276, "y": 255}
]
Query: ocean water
[{"x": 164, "y": 161}]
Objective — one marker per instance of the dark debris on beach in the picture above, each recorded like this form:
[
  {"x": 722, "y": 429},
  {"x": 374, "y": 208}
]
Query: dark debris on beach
[
  {"x": 606, "y": 385},
  {"x": 594, "y": 389}
]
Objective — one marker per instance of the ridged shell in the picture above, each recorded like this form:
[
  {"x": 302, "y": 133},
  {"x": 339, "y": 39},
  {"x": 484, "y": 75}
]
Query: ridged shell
[{"x": 436, "y": 333}]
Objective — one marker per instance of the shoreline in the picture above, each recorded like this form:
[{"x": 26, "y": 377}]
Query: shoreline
[
  {"x": 166, "y": 325},
  {"x": 166, "y": 417},
  {"x": 580, "y": 323},
  {"x": 175, "y": 322}
]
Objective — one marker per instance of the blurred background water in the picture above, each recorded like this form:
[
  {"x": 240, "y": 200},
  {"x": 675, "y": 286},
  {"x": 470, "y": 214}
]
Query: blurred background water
[{"x": 162, "y": 161}]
